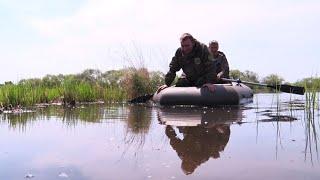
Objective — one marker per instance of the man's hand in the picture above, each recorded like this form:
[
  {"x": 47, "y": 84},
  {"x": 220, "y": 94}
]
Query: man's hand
[
  {"x": 210, "y": 87},
  {"x": 218, "y": 77},
  {"x": 170, "y": 132},
  {"x": 161, "y": 88}
]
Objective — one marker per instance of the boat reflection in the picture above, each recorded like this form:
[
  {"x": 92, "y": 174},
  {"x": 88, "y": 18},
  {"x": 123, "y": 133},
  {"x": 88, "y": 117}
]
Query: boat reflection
[{"x": 198, "y": 134}]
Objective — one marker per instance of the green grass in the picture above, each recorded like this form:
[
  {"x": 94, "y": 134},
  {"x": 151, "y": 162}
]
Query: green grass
[
  {"x": 312, "y": 86},
  {"x": 112, "y": 86},
  {"x": 112, "y": 94}
]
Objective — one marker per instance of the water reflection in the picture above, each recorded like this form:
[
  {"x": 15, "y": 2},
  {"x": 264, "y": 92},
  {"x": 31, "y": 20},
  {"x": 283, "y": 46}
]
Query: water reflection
[
  {"x": 139, "y": 119},
  {"x": 287, "y": 109},
  {"x": 138, "y": 124},
  {"x": 69, "y": 116},
  {"x": 19, "y": 121},
  {"x": 311, "y": 121},
  {"x": 204, "y": 133},
  {"x": 185, "y": 145}
]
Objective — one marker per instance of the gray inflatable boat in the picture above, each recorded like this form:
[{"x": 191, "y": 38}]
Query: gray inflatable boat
[{"x": 223, "y": 94}]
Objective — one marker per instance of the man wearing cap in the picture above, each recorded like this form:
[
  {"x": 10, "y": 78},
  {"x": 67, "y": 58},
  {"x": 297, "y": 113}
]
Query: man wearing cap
[
  {"x": 194, "y": 59},
  {"x": 220, "y": 60}
]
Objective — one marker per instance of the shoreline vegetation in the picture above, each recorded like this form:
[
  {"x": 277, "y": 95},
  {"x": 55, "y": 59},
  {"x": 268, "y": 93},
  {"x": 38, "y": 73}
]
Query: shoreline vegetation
[{"x": 92, "y": 86}]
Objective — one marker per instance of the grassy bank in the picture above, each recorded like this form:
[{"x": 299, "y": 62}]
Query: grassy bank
[
  {"x": 112, "y": 86},
  {"x": 88, "y": 86}
]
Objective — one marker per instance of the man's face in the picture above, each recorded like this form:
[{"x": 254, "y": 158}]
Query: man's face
[
  {"x": 186, "y": 46},
  {"x": 214, "y": 48}
]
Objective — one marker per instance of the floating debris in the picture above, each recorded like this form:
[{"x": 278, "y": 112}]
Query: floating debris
[
  {"x": 29, "y": 176},
  {"x": 42, "y": 105},
  {"x": 265, "y": 111},
  {"x": 17, "y": 111},
  {"x": 57, "y": 103},
  {"x": 63, "y": 175},
  {"x": 279, "y": 118}
]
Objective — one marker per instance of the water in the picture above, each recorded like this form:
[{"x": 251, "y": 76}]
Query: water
[{"x": 267, "y": 139}]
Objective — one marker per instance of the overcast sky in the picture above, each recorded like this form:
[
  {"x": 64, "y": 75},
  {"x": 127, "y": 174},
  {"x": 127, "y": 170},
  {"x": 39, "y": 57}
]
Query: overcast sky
[{"x": 40, "y": 37}]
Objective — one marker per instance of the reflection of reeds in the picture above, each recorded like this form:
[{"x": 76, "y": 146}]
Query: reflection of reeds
[
  {"x": 138, "y": 124},
  {"x": 69, "y": 116},
  {"x": 19, "y": 121},
  {"x": 257, "y": 121},
  {"x": 278, "y": 138},
  {"x": 311, "y": 135},
  {"x": 86, "y": 114}
]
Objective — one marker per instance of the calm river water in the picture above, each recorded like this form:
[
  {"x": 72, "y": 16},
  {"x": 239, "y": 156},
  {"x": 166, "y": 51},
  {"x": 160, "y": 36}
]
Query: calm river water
[{"x": 274, "y": 137}]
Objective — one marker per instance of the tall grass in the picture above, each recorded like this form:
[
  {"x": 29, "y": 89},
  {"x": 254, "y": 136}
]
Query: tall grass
[
  {"x": 312, "y": 86},
  {"x": 90, "y": 86},
  {"x": 139, "y": 82},
  {"x": 113, "y": 94}
]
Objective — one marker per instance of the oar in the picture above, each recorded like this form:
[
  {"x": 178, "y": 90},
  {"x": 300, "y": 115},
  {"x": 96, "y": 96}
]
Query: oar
[
  {"x": 141, "y": 99},
  {"x": 281, "y": 87}
]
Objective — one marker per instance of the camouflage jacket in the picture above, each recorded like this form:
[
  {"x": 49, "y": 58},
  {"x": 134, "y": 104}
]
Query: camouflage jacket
[
  {"x": 197, "y": 66},
  {"x": 221, "y": 65}
]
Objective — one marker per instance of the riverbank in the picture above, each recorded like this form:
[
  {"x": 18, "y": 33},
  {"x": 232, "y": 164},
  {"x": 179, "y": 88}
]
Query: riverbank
[{"x": 86, "y": 87}]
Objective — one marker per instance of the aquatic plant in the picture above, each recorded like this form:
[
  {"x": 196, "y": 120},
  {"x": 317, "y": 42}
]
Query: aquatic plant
[
  {"x": 138, "y": 82},
  {"x": 312, "y": 86},
  {"x": 114, "y": 94}
]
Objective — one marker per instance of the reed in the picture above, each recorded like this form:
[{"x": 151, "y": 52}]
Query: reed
[
  {"x": 138, "y": 82},
  {"x": 114, "y": 94},
  {"x": 312, "y": 86},
  {"x": 89, "y": 86},
  {"x": 111, "y": 86}
]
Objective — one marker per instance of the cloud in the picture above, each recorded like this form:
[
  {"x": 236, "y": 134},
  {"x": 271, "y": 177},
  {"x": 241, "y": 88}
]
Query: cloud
[{"x": 93, "y": 35}]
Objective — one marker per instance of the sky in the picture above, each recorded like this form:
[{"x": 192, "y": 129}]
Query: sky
[{"x": 63, "y": 37}]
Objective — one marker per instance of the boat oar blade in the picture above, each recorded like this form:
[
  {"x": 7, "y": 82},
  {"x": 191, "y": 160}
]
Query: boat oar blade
[
  {"x": 141, "y": 99},
  {"x": 291, "y": 89}
]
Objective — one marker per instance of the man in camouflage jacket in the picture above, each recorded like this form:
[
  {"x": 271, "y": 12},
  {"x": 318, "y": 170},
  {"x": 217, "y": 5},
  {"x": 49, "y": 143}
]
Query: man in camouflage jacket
[
  {"x": 220, "y": 61},
  {"x": 194, "y": 59}
]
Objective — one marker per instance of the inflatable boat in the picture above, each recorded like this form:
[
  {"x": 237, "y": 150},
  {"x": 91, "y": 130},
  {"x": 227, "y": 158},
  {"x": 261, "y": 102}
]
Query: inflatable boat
[{"x": 222, "y": 94}]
